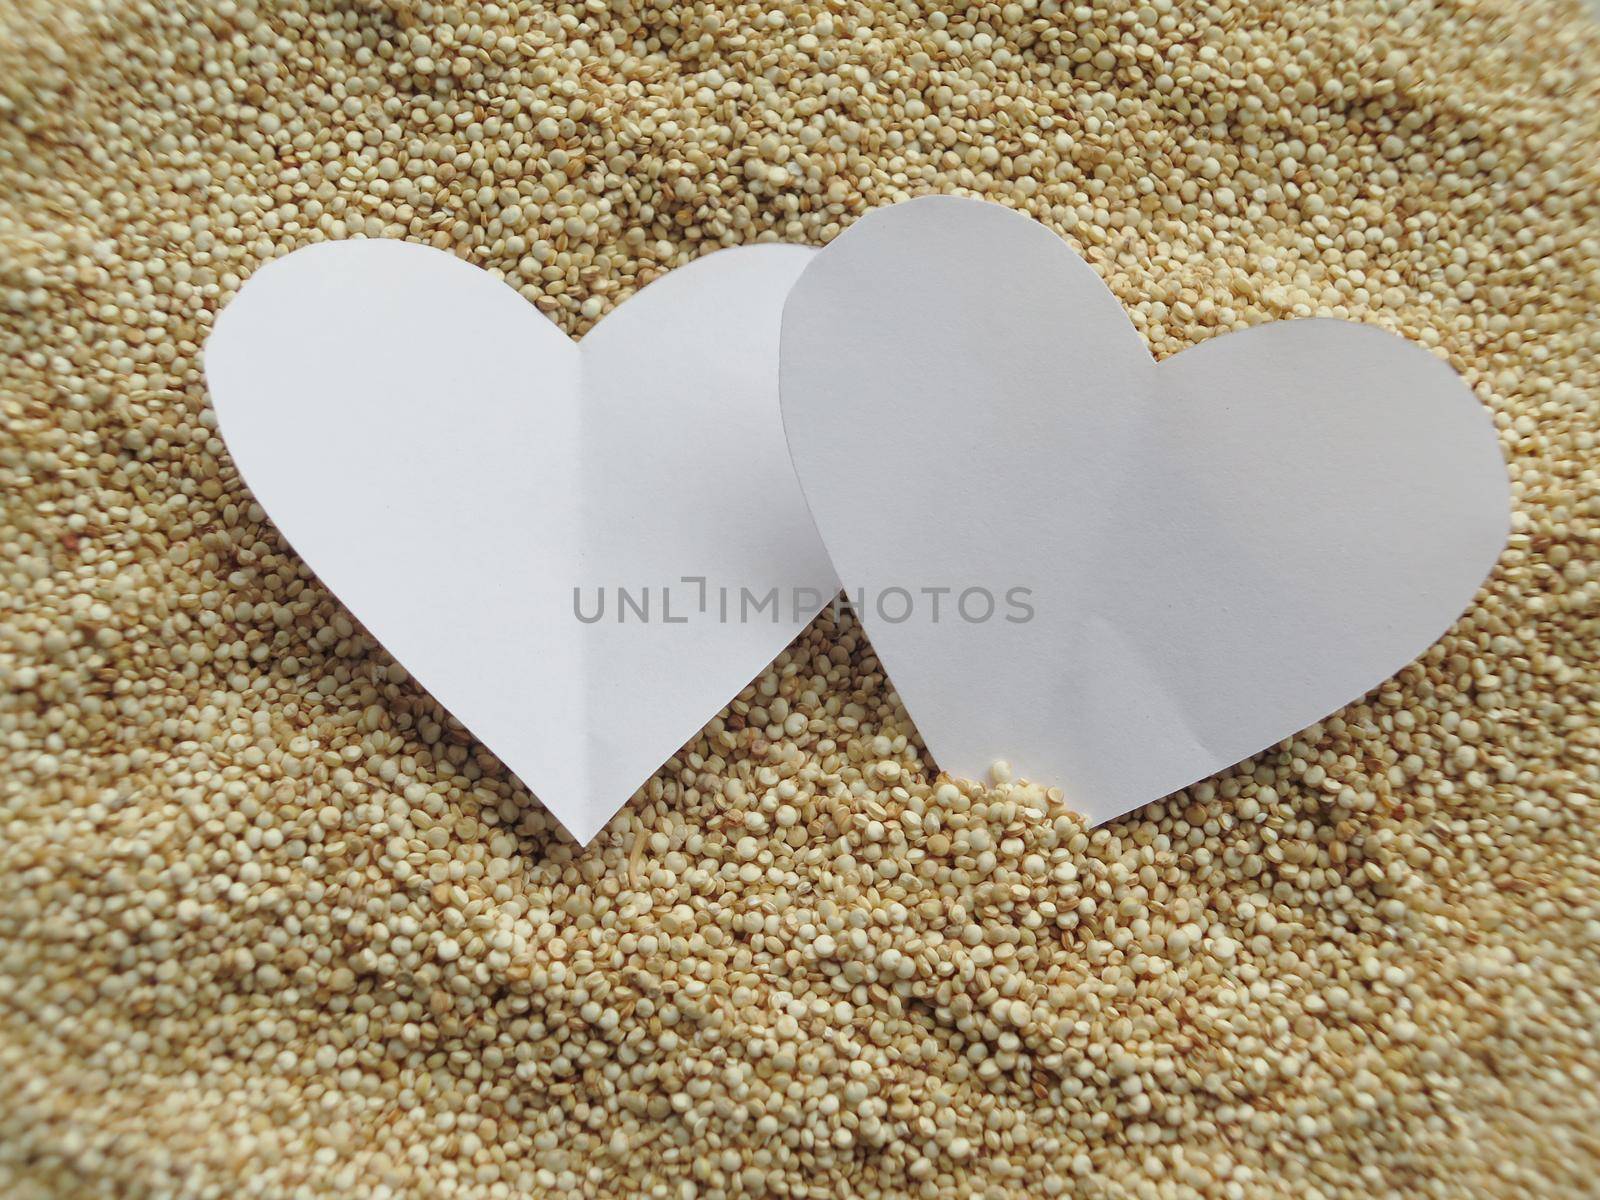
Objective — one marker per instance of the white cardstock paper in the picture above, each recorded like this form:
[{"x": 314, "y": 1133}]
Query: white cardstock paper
[
  {"x": 453, "y": 467},
  {"x": 1216, "y": 551}
]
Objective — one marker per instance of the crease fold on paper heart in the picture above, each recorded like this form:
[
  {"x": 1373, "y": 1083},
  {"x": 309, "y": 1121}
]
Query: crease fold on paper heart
[
  {"x": 1220, "y": 549},
  {"x": 452, "y": 466}
]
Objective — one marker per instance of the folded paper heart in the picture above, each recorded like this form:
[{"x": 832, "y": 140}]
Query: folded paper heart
[
  {"x": 1147, "y": 572},
  {"x": 543, "y": 533}
]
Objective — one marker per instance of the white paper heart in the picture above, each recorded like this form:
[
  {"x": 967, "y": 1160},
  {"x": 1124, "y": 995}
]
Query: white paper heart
[
  {"x": 453, "y": 467},
  {"x": 1216, "y": 551}
]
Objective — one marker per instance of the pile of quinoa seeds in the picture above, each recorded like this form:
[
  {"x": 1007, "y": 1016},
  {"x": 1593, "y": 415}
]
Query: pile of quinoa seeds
[{"x": 272, "y": 925}]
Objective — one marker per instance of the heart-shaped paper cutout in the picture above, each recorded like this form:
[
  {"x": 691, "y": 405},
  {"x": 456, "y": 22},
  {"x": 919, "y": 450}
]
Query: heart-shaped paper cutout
[
  {"x": 1216, "y": 552},
  {"x": 453, "y": 467}
]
